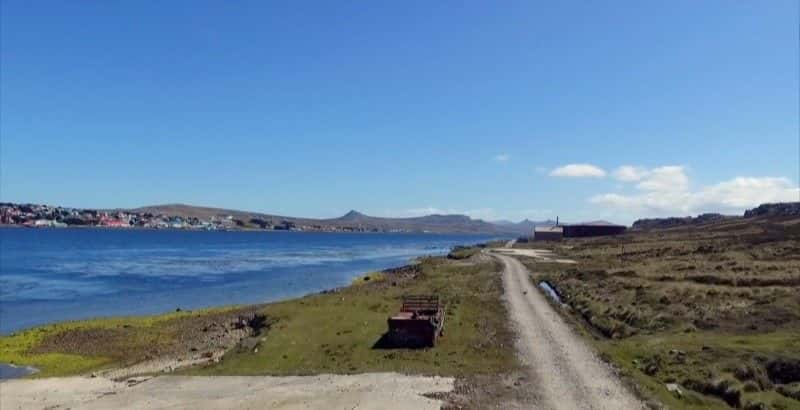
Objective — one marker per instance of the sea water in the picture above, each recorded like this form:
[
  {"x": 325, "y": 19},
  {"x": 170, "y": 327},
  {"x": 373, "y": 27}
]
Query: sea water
[{"x": 50, "y": 275}]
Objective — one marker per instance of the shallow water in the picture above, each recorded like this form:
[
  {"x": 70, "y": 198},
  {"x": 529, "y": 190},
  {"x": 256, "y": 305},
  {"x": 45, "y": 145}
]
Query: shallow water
[
  {"x": 551, "y": 292},
  {"x": 9, "y": 371},
  {"x": 49, "y": 275}
]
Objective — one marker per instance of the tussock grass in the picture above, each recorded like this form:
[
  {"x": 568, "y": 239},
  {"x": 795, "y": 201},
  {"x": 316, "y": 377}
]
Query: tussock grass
[{"x": 708, "y": 308}]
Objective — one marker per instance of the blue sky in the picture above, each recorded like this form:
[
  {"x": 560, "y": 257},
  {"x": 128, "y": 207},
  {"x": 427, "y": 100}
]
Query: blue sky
[{"x": 402, "y": 108}]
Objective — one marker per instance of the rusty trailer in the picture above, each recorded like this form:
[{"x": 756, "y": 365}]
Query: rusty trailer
[{"x": 419, "y": 323}]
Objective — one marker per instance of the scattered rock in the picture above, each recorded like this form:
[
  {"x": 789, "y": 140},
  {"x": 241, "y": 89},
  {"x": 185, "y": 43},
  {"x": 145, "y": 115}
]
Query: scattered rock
[{"x": 675, "y": 389}]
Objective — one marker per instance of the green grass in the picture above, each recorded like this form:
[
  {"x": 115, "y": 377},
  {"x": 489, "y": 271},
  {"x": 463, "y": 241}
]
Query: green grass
[
  {"x": 368, "y": 278},
  {"x": 17, "y": 347},
  {"x": 708, "y": 356},
  {"x": 335, "y": 333},
  {"x": 323, "y": 333}
]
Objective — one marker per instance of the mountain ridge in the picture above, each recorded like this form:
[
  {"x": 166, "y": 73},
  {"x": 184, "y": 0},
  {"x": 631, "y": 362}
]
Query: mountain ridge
[{"x": 435, "y": 223}]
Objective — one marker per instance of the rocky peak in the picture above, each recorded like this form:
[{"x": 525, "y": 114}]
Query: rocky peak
[{"x": 352, "y": 215}]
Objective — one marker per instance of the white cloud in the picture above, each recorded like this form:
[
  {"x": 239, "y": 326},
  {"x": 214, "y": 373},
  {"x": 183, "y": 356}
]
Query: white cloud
[
  {"x": 578, "y": 171},
  {"x": 630, "y": 173},
  {"x": 665, "y": 191},
  {"x": 669, "y": 178},
  {"x": 747, "y": 192},
  {"x": 502, "y": 157}
]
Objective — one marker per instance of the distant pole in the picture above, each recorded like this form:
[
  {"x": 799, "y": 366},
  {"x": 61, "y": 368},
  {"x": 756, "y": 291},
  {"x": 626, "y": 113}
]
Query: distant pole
[{"x": 556, "y": 220}]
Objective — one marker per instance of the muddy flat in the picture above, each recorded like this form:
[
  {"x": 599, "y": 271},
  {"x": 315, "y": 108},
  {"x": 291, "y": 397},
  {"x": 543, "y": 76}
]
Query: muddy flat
[
  {"x": 565, "y": 371},
  {"x": 364, "y": 391}
]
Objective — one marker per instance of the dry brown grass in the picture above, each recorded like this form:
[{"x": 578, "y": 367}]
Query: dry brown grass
[{"x": 723, "y": 295}]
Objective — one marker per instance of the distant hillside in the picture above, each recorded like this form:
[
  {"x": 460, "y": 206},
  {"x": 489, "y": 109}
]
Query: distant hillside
[
  {"x": 777, "y": 209},
  {"x": 782, "y": 209},
  {"x": 353, "y": 220},
  {"x": 660, "y": 223}
]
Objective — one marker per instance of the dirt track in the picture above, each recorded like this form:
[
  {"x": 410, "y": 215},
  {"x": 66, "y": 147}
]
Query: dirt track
[
  {"x": 364, "y": 391},
  {"x": 565, "y": 371}
]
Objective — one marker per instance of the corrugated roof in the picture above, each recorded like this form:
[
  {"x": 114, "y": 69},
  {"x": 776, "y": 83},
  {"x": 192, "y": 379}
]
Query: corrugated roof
[
  {"x": 595, "y": 223},
  {"x": 548, "y": 229}
]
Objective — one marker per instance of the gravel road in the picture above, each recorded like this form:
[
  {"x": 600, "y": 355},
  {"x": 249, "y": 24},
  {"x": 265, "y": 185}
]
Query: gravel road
[
  {"x": 361, "y": 391},
  {"x": 565, "y": 371}
]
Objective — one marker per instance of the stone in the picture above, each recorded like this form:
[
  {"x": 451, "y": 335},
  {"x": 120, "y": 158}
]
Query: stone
[{"x": 675, "y": 389}]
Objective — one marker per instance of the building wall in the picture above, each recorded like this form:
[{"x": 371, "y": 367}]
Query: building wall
[
  {"x": 578, "y": 231},
  {"x": 547, "y": 236}
]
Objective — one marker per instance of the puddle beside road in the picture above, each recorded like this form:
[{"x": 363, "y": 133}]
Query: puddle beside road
[
  {"x": 10, "y": 371},
  {"x": 551, "y": 292}
]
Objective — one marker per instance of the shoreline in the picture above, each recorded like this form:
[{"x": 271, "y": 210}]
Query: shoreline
[
  {"x": 413, "y": 261},
  {"x": 355, "y": 281},
  {"x": 338, "y": 334},
  {"x": 141, "y": 228},
  {"x": 236, "y": 280},
  {"x": 347, "y": 323}
]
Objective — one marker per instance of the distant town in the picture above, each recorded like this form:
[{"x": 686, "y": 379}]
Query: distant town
[
  {"x": 46, "y": 216},
  {"x": 181, "y": 216}
]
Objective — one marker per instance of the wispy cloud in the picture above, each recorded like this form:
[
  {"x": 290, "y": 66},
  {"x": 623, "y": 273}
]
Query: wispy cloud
[
  {"x": 502, "y": 157},
  {"x": 578, "y": 171}
]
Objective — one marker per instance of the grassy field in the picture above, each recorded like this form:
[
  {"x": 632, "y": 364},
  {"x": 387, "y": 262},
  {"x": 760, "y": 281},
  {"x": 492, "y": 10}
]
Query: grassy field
[
  {"x": 714, "y": 309},
  {"x": 334, "y": 332},
  {"x": 338, "y": 332},
  {"x": 80, "y": 347}
]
